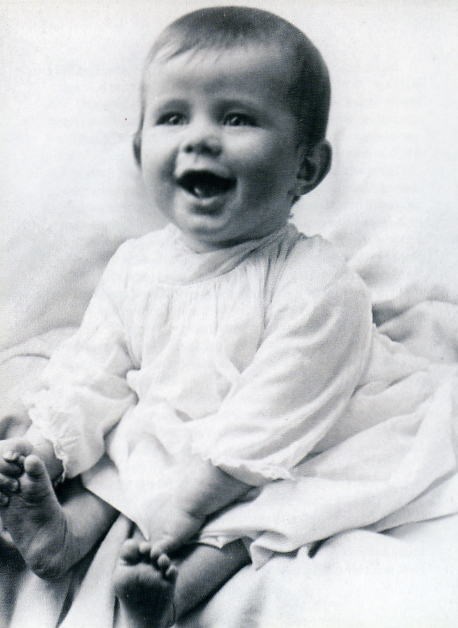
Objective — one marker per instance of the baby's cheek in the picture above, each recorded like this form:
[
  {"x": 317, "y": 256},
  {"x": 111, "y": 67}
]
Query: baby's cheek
[
  {"x": 157, "y": 176},
  {"x": 263, "y": 180}
]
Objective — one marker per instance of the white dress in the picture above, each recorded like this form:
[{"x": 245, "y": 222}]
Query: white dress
[{"x": 262, "y": 359}]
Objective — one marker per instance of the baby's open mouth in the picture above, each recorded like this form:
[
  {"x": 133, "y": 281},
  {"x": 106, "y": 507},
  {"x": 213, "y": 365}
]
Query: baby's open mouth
[{"x": 205, "y": 184}]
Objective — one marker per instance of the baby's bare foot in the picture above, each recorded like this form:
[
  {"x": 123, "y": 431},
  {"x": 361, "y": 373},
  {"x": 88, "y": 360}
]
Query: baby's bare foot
[
  {"x": 145, "y": 586},
  {"x": 37, "y": 523}
]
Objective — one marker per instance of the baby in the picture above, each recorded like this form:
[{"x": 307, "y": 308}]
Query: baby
[{"x": 217, "y": 354}]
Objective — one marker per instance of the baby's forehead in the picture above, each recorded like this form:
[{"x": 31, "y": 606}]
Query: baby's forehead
[{"x": 230, "y": 62}]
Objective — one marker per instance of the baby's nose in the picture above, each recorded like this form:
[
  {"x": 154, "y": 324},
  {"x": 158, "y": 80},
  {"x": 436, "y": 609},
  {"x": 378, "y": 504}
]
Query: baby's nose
[{"x": 202, "y": 141}]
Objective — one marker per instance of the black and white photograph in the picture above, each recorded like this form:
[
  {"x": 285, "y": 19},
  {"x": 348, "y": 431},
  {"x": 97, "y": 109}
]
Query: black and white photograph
[{"x": 229, "y": 314}]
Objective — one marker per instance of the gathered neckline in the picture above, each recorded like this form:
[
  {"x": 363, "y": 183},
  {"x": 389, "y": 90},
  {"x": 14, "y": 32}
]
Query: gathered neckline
[
  {"x": 178, "y": 264},
  {"x": 175, "y": 263}
]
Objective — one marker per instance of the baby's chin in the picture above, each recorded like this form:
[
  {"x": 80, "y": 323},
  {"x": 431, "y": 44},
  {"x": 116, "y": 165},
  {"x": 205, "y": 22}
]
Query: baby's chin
[
  {"x": 205, "y": 240},
  {"x": 208, "y": 228}
]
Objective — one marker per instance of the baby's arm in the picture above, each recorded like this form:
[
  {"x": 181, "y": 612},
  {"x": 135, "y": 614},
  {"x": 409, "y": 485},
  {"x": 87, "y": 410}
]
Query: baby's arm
[
  {"x": 316, "y": 341},
  {"x": 205, "y": 489}
]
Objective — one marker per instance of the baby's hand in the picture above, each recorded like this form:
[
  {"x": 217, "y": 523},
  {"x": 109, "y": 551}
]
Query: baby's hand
[
  {"x": 202, "y": 491},
  {"x": 12, "y": 453},
  {"x": 171, "y": 525}
]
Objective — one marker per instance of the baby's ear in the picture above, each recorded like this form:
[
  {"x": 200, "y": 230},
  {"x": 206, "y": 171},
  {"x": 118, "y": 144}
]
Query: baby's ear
[{"x": 315, "y": 165}]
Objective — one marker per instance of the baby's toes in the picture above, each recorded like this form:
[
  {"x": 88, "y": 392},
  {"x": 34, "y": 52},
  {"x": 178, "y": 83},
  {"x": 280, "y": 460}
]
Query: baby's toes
[
  {"x": 129, "y": 552},
  {"x": 163, "y": 546},
  {"x": 11, "y": 464},
  {"x": 8, "y": 485},
  {"x": 35, "y": 467},
  {"x": 35, "y": 482},
  {"x": 16, "y": 450},
  {"x": 144, "y": 549},
  {"x": 171, "y": 573},
  {"x": 167, "y": 568},
  {"x": 163, "y": 563}
]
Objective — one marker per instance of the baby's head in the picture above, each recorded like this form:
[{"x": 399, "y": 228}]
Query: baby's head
[{"x": 234, "y": 111}]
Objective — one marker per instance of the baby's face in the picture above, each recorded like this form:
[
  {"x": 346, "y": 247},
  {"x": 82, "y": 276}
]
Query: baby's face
[{"x": 220, "y": 152}]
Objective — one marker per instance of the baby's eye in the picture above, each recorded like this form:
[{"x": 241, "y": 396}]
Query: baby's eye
[
  {"x": 172, "y": 118},
  {"x": 238, "y": 119}
]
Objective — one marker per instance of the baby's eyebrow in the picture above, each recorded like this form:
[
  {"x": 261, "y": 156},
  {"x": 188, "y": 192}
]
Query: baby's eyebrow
[
  {"x": 239, "y": 101},
  {"x": 166, "y": 103},
  {"x": 245, "y": 105}
]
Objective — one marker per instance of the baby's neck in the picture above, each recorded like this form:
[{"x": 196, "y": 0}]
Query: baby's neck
[{"x": 203, "y": 246}]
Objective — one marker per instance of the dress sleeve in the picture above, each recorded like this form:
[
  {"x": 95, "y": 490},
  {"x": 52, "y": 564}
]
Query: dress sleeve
[
  {"x": 85, "y": 392},
  {"x": 315, "y": 346}
]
